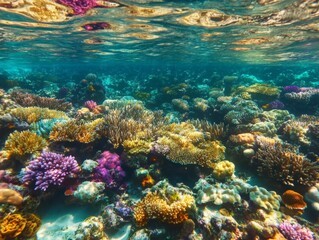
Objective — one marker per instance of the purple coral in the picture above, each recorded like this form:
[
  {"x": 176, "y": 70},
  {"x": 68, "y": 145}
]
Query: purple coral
[
  {"x": 109, "y": 170},
  {"x": 79, "y": 6},
  {"x": 276, "y": 105},
  {"x": 292, "y": 88},
  {"x": 90, "y": 105},
  {"x": 50, "y": 169},
  {"x": 295, "y": 231}
]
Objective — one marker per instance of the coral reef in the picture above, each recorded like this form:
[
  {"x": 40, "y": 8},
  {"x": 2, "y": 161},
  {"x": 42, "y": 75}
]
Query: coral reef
[
  {"x": 173, "y": 207},
  {"x": 293, "y": 231},
  {"x": 35, "y": 114},
  {"x": 109, "y": 170},
  {"x": 18, "y": 226},
  {"x": 49, "y": 169},
  {"x": 285, "y": 166},
  {"x": 30, "y": 100},
  {"x": 73, "y": 130},
  {"x": 89, "y": 192},
  {"x": 24, "y": 143},
  {"x": 187, "y": 145}
]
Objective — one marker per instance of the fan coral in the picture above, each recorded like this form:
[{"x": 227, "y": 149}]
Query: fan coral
[
  {"x": 50, "y": 169},
  {"x": 16, "y": 225},
  {"x": 155, "y": 206},
  {"x": 187, "y": 145},
  {"x": 293, "y": 200},
  {"x": 30, "y": 100},
  {"x": 10, "y": 196},
  {"x": 35, "y": 114},
  {"x": 109, "y": 170},
  {"x": 295, "y": 231},
  {"x": 283, "y": 165},
  {"x": 23, "y": 143}
]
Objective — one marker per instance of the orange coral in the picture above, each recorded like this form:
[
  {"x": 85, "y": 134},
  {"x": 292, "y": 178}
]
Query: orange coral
[
  {"x": 12, "y": 226},
  {"x": 153, "y": 206},
  {"x": 10, "y": 196},
  {"x": 148, "y": 181},
  {"x": 32, "y": 225},
  {"x": 76, "y": 131},
  {"x": 22, "y": 143},
  {"x": 293, "y": 200},
  {"x": 16, "y": 225}
]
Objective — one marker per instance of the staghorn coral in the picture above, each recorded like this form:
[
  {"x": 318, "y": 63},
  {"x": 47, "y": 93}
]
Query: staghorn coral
[
  {"x": 30, "y": 100},
  {"x": 18, "y": 226},
  {"x": 129, "y": 120},
  {"x": 187, "y": 145},
  {"x": 35, "y": 114},
  {"x": 79, "y": 131},
  {"x": 212, "y": 131},
  {"x": 23, "y": 143},
  {"x": 165, "y": 203},
  {"x": 50, "y": 169},
  {"x": 283, "y": 165}
]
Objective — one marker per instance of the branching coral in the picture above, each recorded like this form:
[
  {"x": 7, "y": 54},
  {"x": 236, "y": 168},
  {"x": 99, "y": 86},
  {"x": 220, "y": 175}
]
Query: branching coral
[
  {"x": 165, "y": 203},
  {"x": 30, "y": 100},
  {"x": 283, "y": 165},
  {"x": 50, "y": 169},
  {"x": 129, "y": 121},
  {"x": 187, "y": 145},
  {"x": 77, "y": 131},
  {"x": 16, "y": 225},
  {"x": 35, "y": 114},
  {"x": 23, "y": 143},
  {"x": 212, "y": 131}
]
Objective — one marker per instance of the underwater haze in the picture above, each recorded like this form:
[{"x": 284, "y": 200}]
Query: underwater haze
[{"x": 159, "y": 119}]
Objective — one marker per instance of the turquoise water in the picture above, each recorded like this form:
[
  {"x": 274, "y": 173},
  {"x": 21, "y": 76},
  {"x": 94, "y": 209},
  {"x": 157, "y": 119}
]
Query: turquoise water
[{"x": 177, "y": 119}]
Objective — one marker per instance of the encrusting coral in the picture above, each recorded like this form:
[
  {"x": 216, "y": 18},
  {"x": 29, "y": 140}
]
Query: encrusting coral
[
  {"x": 23, "y": 143},
  {"x": 35, "y": 114}
]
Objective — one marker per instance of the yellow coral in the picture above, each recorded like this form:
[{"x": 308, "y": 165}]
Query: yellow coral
[
  {"x": 35, "y": 114},
  {"x": 77, "y": 131},
  {"x": 12, "y": 226},
  {"x": 137, "y": 146},
  {"x": 224, "y": 169},
  {"x": 16, "y": 225},
  {"x": 153, "y": 206},
  {"x": 189, "y": 146},
  {"x": 22, "y": 143}
]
